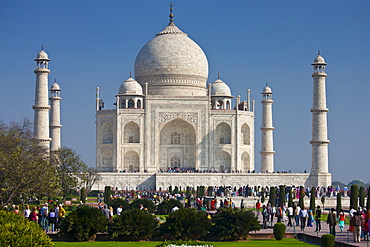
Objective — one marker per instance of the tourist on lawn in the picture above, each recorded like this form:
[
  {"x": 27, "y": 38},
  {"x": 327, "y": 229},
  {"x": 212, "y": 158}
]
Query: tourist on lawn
[
  {"x": 332, "y": 221},
  {"x": 27, "y": 212},
  {"x": 52, "y": 220},
  {"x": 33, "y": 215}
]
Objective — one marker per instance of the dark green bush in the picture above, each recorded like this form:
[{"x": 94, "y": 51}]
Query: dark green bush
[
  {"x": 279, "y": 231},
  {"x": 94, "y": 193},
  {"x": 134, "y": 224},
  {"x": 146, "y": 203},
  {"x": 119, "y": 201},
  {"x": 327, "y": 240},
  {"x": 185, "y": 223},
  {"x": 15, "y": 230},
  {"x": 361, "y": 199},
  {"x": 166, "y": 206},
  {"x": 354, "y": 197},
  {"x": 272, "y": 195},
  {"x": 83, "y": 195},
  {"x": 107, "y": 194},
  {"x": 233, "y": 224},
  {"x": 84, "y": 223},
  {"x": 183, "y": 243}
]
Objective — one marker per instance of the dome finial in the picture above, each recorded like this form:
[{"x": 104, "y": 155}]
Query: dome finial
[
  {"x": 318, "y": 52},
  {"x": 130, "y": 74},
  {"x": 171, "y": 15},
  {"x": 55, "y": 80},
  {"x": 42, "y": 47},
  {"x": 218, "y": 76}
]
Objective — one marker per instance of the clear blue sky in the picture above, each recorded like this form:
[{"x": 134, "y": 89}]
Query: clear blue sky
[{"x": 94, "y": 43}]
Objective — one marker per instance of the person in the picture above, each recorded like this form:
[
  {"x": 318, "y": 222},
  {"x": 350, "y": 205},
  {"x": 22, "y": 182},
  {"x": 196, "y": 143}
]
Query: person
[
  {"x": 279, "y": 214},
  {"x": 258, "y": 207},
  {"x": 345, "y": 191},
  {"x": 332, "y": 221},
  {"x": 119, "y": 210},
  {"x": 242, "y": 204},
  {"x": 296, "y": 214},
  {"x": 310, "y": 218},
  {"x": 16, "y": 209},
  {"x": 44, "y": 211},
  {"x": 110, "y": 213},
  {"x": 357, "y": 222},
  {"x": 273, "y": 212},
  {"x": 33, "y": 214},
  {"x": 52, "y": 217},
  {"x": 61, "y": 215},
  {"x": 265, "y": 215},
  {"x": 174, "y": 209},
  {"x": 290, "y": 215},
  {"x": 106, "y": 211},
  {"x": 27, "y": 212},
  {"x": 352, "y": 212},
  {"x": 303, "y": 216},
  {"x": 341, "y": 220},
  {"x": 318, "y": 219}
]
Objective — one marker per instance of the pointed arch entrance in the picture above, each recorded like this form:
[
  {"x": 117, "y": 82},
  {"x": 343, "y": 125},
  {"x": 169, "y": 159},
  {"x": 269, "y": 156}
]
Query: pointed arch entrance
[{"x": 177, "y": 147}]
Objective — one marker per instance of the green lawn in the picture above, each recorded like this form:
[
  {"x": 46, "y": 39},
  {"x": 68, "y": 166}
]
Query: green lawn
[{"x": 269, "y": 242}]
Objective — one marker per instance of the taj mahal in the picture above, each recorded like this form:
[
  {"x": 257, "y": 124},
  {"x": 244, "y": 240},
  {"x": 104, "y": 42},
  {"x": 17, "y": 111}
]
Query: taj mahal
[{"x": 169, "y": 128}]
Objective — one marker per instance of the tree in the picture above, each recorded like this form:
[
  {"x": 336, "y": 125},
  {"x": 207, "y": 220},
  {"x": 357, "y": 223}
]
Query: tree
[
  {"x": 354, "y": 196},
  {"x": 70, "y": 168},
  {"x": 83, "y": 195},
  {"x": 368, "y": 198},
  {"x": 362, "y": 197},
  {"x": 90, "y": 177},
  {"x": 312, "y": 200},
  {"x": 339, "y": 203},
  {"x": 107, "y": 194},
  {"x": 272, "y": 195},
  {"x": 290, "y": 200},
  {"x": 24, "y": 164},
  {"x": 301, "y": 196},
  {"x": 282, "y": 194}
]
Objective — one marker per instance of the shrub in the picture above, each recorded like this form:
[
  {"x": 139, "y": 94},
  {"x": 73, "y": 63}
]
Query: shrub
[
  {"x": 301, "y": 196},
  {"x": 119, "y": 201},
  {"x": 234, "y": 224},
  {"x": 107, "y": 194},
  {"x": 84, "y": 223},
  {"x": 282, "y": 198},
  {"x": 339, "y": 203},
  {"x": 313, "y": 200},
  {"x": 290, "y": 199},
  {"x": 146, "y": 203},
  {"x": 327, "y": 240},
  {"x": 16, "y": 230},
  {"x": 166, "y": 206},
  {"x": 133, "y": 224},
  {"x": 185, "y": 223},
  {"x": 362, "y": 197},
  {"x": 279, "y": 231},
  {"x": 272, "y": 195},
  {"x": 183, "y": 243}
]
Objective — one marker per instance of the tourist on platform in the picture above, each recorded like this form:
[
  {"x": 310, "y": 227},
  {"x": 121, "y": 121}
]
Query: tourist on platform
[
  {"x": 52, "y": 217},
  {"x": 341, "y": 220},
  {"x": 357, "y": 222},
  {"x": 297, "y": 210},
  {"x": 303, "y": 214},
  {"x": 44, "y": 211},
  {"x": 61, "y": 215},
  {"x": 332, "y": 221},
  {"x": 258, "y": 207},
  {"x": 265, "y": 215},
  {"x": 318, "y": 219},
  {"x": 273, "y": 212},
  {"x": 290, "y": 215},
  {"x": 33, "y": 214},
  {"x": 310, "y": 219},
  {"x": 352, "y": 212},
  {"x": 27, "y": 212},
  {"x": 279, "y": 214}
]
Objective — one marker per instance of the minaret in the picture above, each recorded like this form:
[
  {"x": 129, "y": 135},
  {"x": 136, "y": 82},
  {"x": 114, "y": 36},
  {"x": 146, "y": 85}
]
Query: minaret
[
  {"x": 267, "y": 145},
  {"x": 55, "y": 125},
  {"x": 319, "y": 141},
  {"x": 41, "y": 107}
]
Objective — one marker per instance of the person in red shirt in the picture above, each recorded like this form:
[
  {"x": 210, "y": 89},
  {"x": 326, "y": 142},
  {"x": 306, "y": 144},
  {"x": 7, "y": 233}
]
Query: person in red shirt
[{"x": 258, "y": 207}]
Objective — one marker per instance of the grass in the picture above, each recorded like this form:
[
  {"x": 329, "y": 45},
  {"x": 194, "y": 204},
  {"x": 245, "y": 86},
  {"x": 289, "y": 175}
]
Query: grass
[{"x": 269, "y": 242}]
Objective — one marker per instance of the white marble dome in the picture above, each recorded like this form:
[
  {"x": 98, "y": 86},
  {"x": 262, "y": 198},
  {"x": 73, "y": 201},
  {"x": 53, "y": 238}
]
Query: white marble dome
[
  {"x": 42, "y": 55},
  {"x": 172, "y": 63},
  {"x": 55, "y": 87},
  {"x": 319, "y": 60},
  {"x": 130, "y": 86},
  {"x": 220, "y": 88},
  {"x": 267, "y": 89}
]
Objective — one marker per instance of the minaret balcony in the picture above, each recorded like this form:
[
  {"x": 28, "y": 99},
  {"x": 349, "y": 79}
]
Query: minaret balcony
[{"x": 320, "y": 110}]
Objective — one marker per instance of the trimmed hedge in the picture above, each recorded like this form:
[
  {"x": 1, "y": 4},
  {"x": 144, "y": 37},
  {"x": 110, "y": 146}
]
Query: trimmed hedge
[
  {"x": 16, "y": 230},
  {"x": 279, "y": 231},
  {"x": 166, "y": 206},
  {"x": 327, "y": 240}
]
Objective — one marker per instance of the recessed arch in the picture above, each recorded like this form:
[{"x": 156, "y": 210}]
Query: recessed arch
[
  {"x": 177, "y": 145},
  {"x": 246, "y": 161},
  {"x": 246, "y": 135},
  {"x": 107, "y": 133},
  {"x": 223, "y": 162},
  {"x": 131, "y": 133},
  {"x": 131, "y": 161},
  {"x": 223, "y": 134}
]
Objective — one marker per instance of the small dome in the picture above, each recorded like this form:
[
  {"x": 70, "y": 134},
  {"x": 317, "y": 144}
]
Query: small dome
[
  {"x": 319, "y": 60},
  {"x": 130, "y": 86},
  {"x": 267, "y": 89},
  {"x": 220, "y": 88},
  {"x": 55, "y": 87},
  {"x": 42, "y": 55}
]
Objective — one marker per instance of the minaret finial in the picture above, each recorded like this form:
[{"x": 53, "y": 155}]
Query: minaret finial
[
  {"x": 42, "y": 47},
  {"x": 218, "y": 75},
  {"x": 130, "y": 74},
  {"x": 267, "y": 84},
  {"x": 171, "y": 15},
  {"x": 55, "y": 80},
  {"x": 318, "y": 52}
]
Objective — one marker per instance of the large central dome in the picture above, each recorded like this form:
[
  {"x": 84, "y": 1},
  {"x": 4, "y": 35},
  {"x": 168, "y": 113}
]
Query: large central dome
[{"x": 172, "y": 64}]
